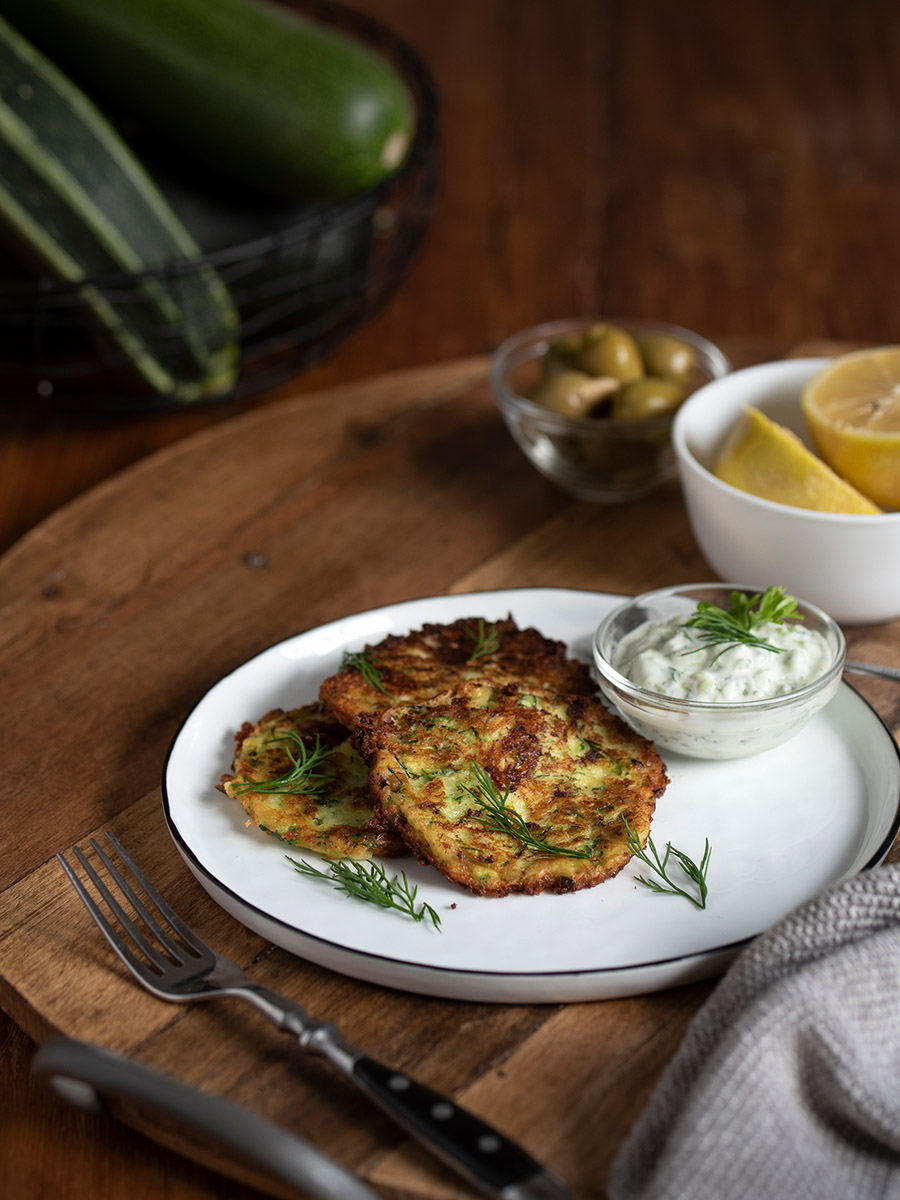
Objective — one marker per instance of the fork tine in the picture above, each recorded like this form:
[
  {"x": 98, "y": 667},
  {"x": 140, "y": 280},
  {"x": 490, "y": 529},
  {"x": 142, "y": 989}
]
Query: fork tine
[
  {"x": 150, "y": 952},
  {"x": 174, "y": 954},
  {"x": 184, "y": 931},
  {"x": 173, "y": 948},
  {"x": 135, "y": 965}
]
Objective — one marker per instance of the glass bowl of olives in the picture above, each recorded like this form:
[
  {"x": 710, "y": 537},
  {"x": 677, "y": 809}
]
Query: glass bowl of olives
[{"x": 591, "y": 402}]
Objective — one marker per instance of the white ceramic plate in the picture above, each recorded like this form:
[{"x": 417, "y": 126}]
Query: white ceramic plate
[{"x": 783, "y": 826}]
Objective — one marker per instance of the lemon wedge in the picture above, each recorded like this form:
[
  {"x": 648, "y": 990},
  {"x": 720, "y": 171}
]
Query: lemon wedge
[
  {"x": 770, "y": 461},
  {"x": 852, "y": 409}
]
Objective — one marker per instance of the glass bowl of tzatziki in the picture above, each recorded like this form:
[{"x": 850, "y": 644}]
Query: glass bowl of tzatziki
[{"x": 718, "y": 671}]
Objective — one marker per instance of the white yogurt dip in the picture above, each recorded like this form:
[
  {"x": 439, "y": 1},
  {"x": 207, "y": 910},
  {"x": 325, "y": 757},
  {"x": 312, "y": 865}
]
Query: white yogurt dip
[{"x": 669, "y": 658}]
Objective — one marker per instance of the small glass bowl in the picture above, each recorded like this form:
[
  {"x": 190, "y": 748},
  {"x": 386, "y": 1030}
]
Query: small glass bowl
[
  {"x": 598, "y": 459},
  {"x": 710, "y": 729}
]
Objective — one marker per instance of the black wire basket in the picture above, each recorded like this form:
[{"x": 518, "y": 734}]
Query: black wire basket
[{"x": 302, "y": 279}]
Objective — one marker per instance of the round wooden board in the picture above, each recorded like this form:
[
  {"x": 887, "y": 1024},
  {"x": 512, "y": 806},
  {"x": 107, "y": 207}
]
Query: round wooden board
[{"x": 121, "y": 609}]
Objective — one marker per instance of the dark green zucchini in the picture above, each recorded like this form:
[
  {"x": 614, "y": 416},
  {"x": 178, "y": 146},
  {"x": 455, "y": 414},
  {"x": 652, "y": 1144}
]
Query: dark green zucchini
[
  {"x": 77, "y": 205},
  {"x": 250, "y": 87}
]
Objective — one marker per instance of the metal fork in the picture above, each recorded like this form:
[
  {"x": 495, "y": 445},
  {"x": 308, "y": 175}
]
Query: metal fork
[{"x": 174, "y": 964}]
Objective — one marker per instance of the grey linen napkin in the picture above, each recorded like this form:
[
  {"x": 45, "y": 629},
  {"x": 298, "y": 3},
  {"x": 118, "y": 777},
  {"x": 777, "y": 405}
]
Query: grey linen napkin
[{"x": 787, "y": 1083}]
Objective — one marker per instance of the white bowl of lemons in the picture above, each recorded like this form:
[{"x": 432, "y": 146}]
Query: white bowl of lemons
[{"x": 764, "y": 504}]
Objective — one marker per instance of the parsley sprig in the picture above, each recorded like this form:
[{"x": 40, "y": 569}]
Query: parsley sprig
[
  {"x": 735, "y": 627},
  {"x": 695, "y": 872},
  {"x": 303, "y": 778},
  {"x": 368, "y": 670},
  {"x": 365, "y": 880},
  {"x": 496, "y": 815}
]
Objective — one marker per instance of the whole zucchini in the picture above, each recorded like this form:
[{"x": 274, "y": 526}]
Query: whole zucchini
[{"x": 250, "y": 87}]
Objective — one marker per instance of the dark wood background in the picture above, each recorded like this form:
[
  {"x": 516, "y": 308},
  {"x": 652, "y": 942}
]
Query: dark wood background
[{"x": 734, "y": 168}]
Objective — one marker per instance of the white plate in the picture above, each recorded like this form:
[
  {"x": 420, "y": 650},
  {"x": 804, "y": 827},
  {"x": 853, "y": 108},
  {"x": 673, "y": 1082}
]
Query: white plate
[{"x": 783, "y": 826}]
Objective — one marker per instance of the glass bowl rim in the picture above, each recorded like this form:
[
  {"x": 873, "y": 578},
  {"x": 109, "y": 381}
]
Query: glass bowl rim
[
  {"x": 535, "y": 335},
  {"x": 635, "y": 693}
]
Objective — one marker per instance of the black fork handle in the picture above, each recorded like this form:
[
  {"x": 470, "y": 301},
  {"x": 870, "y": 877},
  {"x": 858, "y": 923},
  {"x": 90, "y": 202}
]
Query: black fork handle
[{"x": 487, "y": 1158}]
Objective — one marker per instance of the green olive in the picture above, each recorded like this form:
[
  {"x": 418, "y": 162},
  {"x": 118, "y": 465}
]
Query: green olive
[
  {"x": 650, "y": 397},
  {"x": 667, "y": 356},
  {"x": 565, "y": 347},
  {"x": 560, "y": 356},
  {"x": 610, "y": 352},
  {"x": 573, "y": 393}
]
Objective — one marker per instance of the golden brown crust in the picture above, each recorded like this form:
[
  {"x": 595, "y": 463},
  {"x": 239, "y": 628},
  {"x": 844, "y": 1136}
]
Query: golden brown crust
[
  {"x": 566, "y": 765},
  {"x": 336, "y": 820},
  {"x": 436, "y": 658},
  {"x": 447, "y": 721}
]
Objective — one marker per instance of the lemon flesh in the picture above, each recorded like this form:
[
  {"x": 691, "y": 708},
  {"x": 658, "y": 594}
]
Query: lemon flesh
[
  {"x": 770, "y": 461},
  {"x": 852, "y": 410}
]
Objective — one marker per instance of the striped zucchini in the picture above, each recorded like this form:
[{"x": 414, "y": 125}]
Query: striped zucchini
[
  {"x": 251, "y": 88},
  {"x": 80, "y": 207}
]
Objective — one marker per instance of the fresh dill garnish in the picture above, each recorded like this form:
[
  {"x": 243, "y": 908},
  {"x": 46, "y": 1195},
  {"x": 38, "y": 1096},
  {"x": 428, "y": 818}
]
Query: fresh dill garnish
[
  {"x": 365, "y": 880},
  {"x": 735, "y": 626},
  {"x": 487, "y": 640},
  {"x": 303, "y": 778},
  {"x": 370, "y": 673},
  {"x": 497, "y": 816},
  {"x": 596, "y": 748},
  {"x": 403, "y": 767},
  {"x": 694, "y": 872}
]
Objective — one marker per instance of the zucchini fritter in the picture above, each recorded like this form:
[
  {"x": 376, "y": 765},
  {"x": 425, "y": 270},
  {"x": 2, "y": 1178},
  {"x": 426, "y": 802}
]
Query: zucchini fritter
[
  {"x": 435, "y": 658},
  {"x": 325, "y": 807},
  {"x": 566, "y": 766}
]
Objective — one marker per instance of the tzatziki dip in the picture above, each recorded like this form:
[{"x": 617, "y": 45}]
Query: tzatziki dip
[{"x": 672, "y": 659}]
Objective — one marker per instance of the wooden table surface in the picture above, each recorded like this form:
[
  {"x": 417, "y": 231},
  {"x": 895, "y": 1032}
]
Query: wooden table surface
[{"x": 730, "y": 168}]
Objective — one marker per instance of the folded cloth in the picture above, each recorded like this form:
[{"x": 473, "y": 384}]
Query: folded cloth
[{"x": 787, "y": 1083}]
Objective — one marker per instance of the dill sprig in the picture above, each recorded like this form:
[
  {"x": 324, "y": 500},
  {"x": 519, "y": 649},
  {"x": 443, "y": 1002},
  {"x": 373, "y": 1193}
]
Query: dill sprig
[
  {"x": 486, "y": 638},
  {"x": 369, "y": 672},
  {"x": 496, "y": 815},
  {"x": 365, "y": 880},
  {"x": 303, "y": 778},
  {"x": 694, "y": 872},
  {"x": 735, "y": 626}
]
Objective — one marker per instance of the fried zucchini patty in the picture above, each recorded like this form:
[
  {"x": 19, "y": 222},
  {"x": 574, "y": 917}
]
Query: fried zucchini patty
[
  {"x": 566, "y": 766},
  {"x": 326, "y": 808},
  {"x": 435, "y": 658}
]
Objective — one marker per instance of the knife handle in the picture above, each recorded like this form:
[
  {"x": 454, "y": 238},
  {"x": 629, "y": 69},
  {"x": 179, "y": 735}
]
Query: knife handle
[
  {"x": 489, "y": 1159},
  {"x": 99, "y": 1080}
]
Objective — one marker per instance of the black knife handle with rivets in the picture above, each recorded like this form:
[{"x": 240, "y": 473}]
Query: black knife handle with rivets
[
  {"x": 485, "y": 1157},
  {"x": 489, "y": 1159}
]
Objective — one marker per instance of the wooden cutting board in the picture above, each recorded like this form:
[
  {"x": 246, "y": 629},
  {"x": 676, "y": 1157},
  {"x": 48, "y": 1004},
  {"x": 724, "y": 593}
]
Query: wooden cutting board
[{"x": 123, "y": 608}]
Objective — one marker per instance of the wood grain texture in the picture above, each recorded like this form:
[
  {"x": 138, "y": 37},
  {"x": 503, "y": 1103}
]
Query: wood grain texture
[
  {"x": 132, "y": 601},
  {"x": 129, "y": 603},
  {"x": 181, "y": 569},
  {"x": 731, "y": 168}
]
